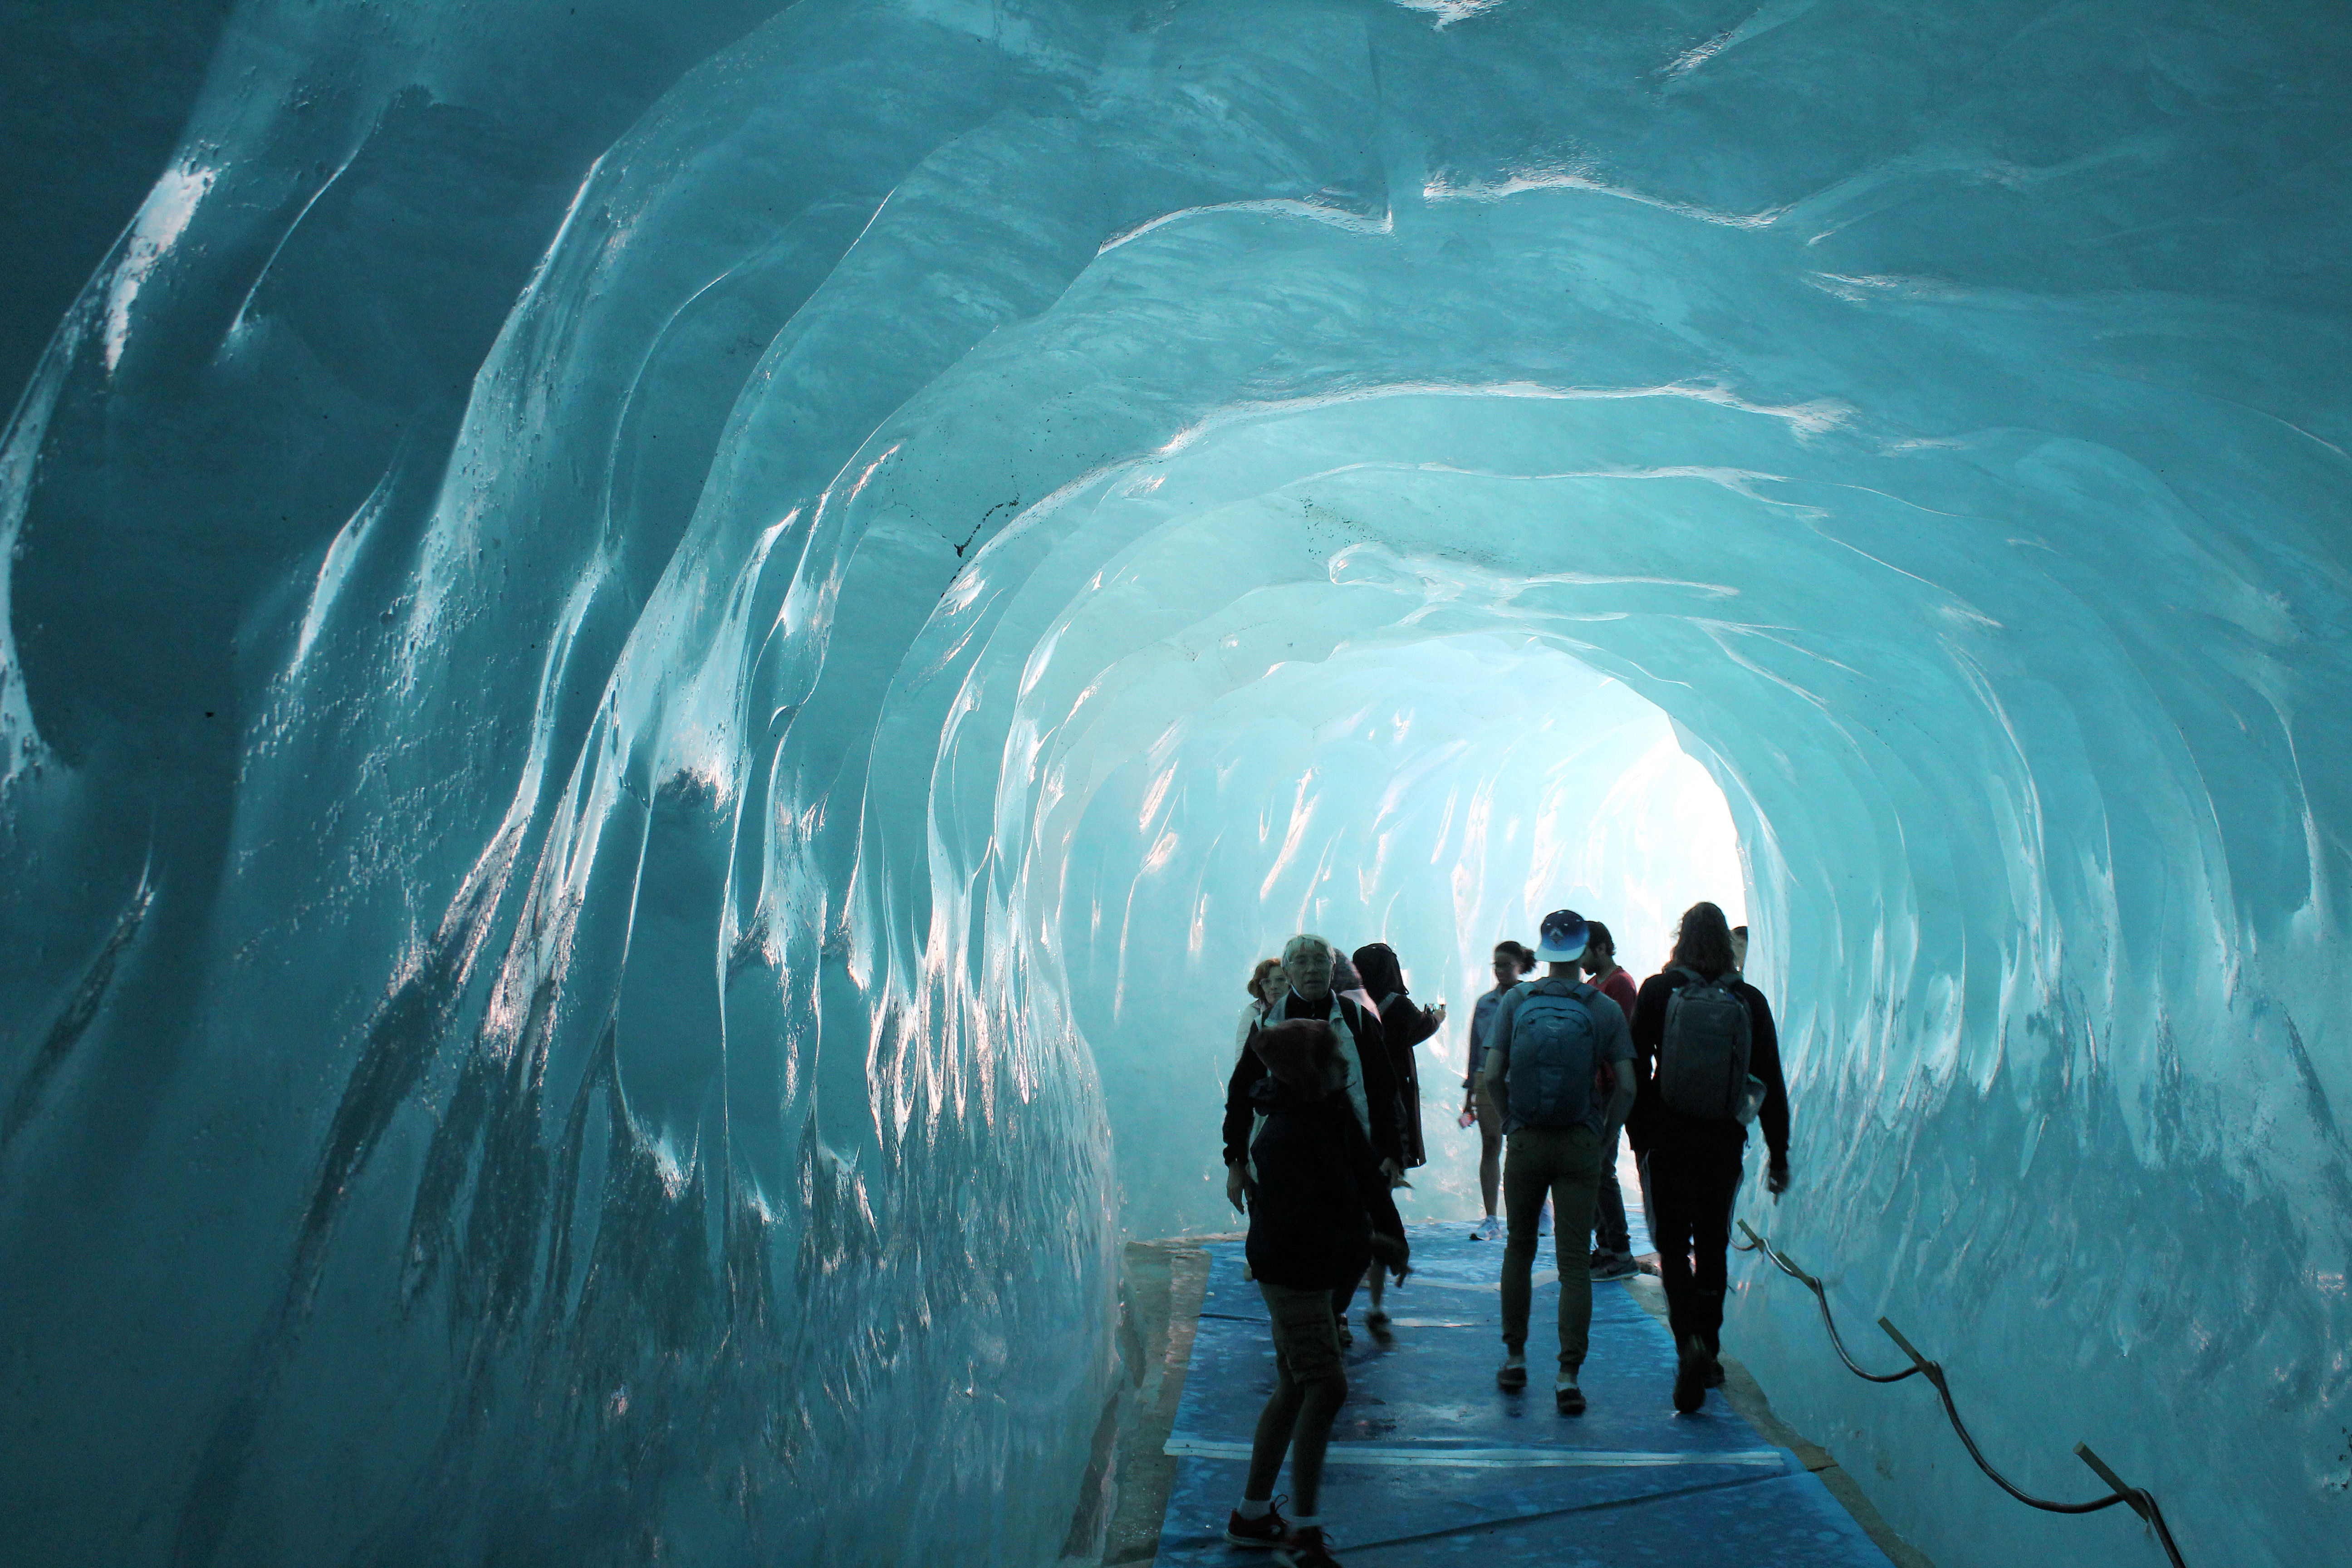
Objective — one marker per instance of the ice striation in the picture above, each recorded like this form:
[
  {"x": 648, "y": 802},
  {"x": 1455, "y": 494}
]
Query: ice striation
[{"x": 662, "y": 665}]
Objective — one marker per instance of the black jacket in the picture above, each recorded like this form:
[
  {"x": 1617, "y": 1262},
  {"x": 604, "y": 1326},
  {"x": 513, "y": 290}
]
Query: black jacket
[
  {"x": 1404, "y": 1023},
  {"x": 1379, "y": 1079},
  {"x": 1653, "y": 1124},
  {"x": 1319, "y": 1193}
]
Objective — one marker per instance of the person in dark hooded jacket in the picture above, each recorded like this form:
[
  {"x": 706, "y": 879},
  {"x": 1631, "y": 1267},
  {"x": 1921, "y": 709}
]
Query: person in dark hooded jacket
[
  {"x": 1319, "y": 1211},
  {"x": 1404, "y": 1023}
]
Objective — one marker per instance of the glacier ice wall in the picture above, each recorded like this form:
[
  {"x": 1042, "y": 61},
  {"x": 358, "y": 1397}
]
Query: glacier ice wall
[{"x": 637, "y": 638}]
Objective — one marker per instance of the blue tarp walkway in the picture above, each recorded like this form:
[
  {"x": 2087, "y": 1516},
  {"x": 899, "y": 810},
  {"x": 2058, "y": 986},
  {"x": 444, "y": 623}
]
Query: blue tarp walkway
[{"x": 1430, "y": 1464}]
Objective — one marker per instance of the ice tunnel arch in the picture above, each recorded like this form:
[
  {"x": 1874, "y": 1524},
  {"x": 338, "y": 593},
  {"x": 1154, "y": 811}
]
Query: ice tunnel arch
[
  {"x": 574, "y": 580},
  {"x": 1436, "y": 795}
]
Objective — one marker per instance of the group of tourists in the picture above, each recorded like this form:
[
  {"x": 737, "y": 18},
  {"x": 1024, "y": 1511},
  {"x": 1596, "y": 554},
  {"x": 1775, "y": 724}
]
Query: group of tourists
[{"x": 1323, "y": 1118}]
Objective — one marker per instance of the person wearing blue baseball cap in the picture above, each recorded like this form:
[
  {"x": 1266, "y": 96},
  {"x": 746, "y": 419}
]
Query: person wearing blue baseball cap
[{"x": 1551, "y": 1039}]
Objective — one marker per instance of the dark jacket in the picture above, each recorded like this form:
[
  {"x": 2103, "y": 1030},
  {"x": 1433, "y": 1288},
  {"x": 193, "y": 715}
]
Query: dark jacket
[
  {"x": 1319, "y": 1193},
  {"x": 1404, "y": 1023},
  {"x": 1653, "y": 1124},
  {"x": 1379, "y": 1080}
]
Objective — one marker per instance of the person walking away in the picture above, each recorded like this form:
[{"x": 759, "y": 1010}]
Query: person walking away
[
  {"x": 1371, "y": 1087},
  {"x": 1612, "y": 1237},
  {"x": 1265, "y": 988},
  {"x": 1320, "y": 1210},
  {"x": 1551, "y": 1038},
  {"x": 1513, "y": 960},
  {"x": 1717, "y": 1068},
  {"x": 1404, "y": 1023}
]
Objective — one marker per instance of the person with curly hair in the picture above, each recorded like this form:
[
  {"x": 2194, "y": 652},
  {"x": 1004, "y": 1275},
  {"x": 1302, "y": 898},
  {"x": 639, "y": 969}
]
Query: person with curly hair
[{"x": 1267, "y": 987}]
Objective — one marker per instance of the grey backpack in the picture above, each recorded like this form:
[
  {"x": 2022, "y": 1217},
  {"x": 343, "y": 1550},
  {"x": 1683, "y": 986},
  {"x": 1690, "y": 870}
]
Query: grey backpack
[
  {"x": 1553, "y": 1040},
  {"x": 1702, "y": 1059}
]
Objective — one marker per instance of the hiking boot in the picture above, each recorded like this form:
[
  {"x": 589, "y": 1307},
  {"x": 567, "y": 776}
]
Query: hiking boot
[
  {"x": 1566, "y": 1397},
  {"x": 1690, "y": 1376},
  {"x": 1512, "y": 1375},
  {"x": 1608, "y": 1265},
  {"x": 1263, "y": 1534},
  {"x": 1306, "y": 1548}
]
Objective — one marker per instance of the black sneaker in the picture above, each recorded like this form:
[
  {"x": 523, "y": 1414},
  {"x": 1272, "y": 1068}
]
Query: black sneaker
[
  {"x": 1267, "y": 1530},
  {"x": 1306, "y": 1548},
  {"x": 1714, "y": 1376},
  {"x": 1690, "y": 1376},
  {"x": 1608, "y": 1265},
  {"x": 1511, "y": 1376},
  {"x": 1569, "y": 1401}
]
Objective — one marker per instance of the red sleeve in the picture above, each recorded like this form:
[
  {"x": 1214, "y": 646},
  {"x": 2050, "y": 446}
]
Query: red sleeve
[{"x": 1620, "y": 990}]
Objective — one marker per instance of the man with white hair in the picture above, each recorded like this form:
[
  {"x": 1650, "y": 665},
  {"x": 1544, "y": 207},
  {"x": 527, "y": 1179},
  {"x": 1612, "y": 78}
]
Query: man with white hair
[{"x": 1306, "y": 964}]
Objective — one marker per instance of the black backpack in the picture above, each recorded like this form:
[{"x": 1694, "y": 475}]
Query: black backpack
[{"x": 1702, "y": 1059}]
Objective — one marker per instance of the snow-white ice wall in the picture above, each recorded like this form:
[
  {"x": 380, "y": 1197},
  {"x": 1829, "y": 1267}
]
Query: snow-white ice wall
[{"x": 658, "y": 658}]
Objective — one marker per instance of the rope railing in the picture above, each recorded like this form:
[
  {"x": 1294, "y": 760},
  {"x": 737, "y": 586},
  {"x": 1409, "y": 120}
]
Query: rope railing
[{"x": 2138, "y": 1498}]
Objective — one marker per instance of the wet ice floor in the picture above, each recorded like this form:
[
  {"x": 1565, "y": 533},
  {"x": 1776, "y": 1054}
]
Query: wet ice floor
[{"x": 1429, "y": 1463}]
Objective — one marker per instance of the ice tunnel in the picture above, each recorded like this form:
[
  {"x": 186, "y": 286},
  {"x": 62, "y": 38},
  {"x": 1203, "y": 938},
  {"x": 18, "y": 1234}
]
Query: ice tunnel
[{"x": 662, "y": 664}]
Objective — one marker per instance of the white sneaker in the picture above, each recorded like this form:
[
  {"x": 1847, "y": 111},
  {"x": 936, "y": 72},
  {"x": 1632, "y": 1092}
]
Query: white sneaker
[{"x": 1488, "y": 1229}]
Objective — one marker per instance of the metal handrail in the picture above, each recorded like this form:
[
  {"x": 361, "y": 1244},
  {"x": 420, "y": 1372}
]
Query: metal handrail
[{"x": 2138, "y": 1498}]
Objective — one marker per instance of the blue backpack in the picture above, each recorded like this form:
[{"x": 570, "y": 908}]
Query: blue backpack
[{"x": 1553, "y": 1044}]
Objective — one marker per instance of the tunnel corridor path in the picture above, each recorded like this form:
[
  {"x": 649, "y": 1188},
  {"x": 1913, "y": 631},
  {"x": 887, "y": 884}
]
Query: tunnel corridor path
[{"x": 1430, "y": 1464}]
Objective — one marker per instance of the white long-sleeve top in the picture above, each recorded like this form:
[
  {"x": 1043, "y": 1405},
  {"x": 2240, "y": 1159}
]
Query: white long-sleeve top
[{"x": 1253, "y": 1013}]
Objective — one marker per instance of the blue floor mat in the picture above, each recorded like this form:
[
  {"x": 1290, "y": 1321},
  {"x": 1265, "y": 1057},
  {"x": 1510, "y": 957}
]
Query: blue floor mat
[{"x": 1429, "y": 1463}]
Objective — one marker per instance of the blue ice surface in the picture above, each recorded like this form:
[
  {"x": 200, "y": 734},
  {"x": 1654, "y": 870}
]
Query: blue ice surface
[
  {"x": 660, "y": 664},
  {"x": 1429, "y": 1463}
]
